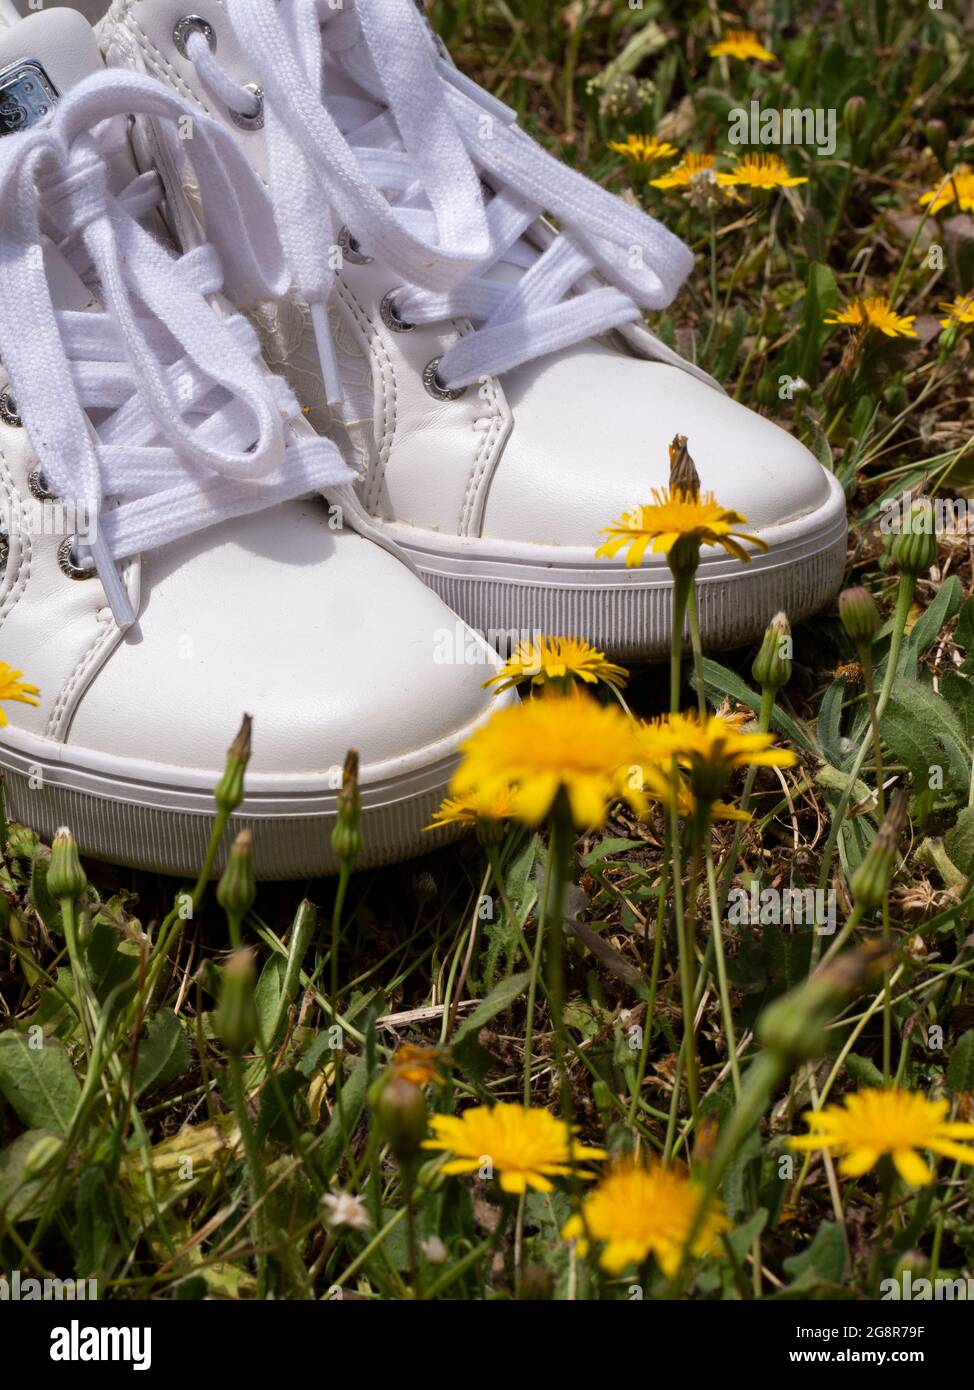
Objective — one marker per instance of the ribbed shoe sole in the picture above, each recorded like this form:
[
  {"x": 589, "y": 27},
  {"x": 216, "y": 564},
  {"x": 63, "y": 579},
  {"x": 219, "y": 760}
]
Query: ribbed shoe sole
[
  {"x": 161, "y": 819},
  {"x": 628, "y": 612}
]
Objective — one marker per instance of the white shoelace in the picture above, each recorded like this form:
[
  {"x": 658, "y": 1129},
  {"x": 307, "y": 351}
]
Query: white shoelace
[
  {"x": 152, "y": 411},
  {"x": 421, "y": 136},
  {"x": 318, "y": 181}
]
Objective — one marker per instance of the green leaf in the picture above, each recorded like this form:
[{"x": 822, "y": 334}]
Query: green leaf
[
  {"x": 91, "y": 1230},
  {"x": 19, "y": 1200},
  {"x": 822, "y": 1263},
  {"x": 269, "y": 994},
  {"x": 336, "y": 1137},
  {"x": 960, "y": 1072},
  {"x": 821, "y": 296},
  {"x": 499, "y": 999},
  {"x": 828, "y": 725},
  {"x": 922, "y": 731},
  {"x": 164, "y": 1053},
  {"x": 38, "y": 1082},
  {"x": 959, "y": 842},
  {"x": 863, "y": 1071},
  {"x": 931, "y": 624},
  {"x": 958, "y": 690},
  {"x": 467, "y": 1052}
]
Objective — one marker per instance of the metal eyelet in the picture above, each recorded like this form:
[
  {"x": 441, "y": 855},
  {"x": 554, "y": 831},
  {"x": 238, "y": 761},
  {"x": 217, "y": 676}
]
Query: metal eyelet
[
  {"x": 390, "y": 315},
  {"x": 192, "y": 24},
  {"x": 38, "y": 488},
  {"x": 351, "y": 250},
  {"x": 67, "y": 563},
  {"x": 8, "y": 409},
  {"x": 256, "y": 121},
  {"x": 435, "y": 387}
]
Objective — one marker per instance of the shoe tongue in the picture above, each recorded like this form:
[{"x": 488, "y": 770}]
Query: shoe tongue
[{"x": 41, "y": 59}]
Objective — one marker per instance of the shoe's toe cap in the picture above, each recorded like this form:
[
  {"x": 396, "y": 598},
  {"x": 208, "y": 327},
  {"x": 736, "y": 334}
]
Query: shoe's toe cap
[
  {"x": 590, "y": 439},
  {"x": 329, "y": 641}
]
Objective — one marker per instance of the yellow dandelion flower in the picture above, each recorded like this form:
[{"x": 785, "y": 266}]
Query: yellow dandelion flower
[
  {"x": 689, "y": 807},
  {"x": 525, "y": 1148},
  {"x": 959, "y": 311},
  {"x": 643, "y": 150},
  {"x": 499, "y": 805},
  {"x": 420, "y": 1065},
  {"x": 559, "y": 660},
  {"x": 691, "y": 166},
  {"x": 596, "y": 753},
  {"x": 760, "y": 171},
  {"x": 875, "y": 312},
  {"x": 959, "y": 189},
  {"x": 676, "y": 516},
  {"x": 639, "y": 1211},
  {"x": 871, "y": 1123},
  {"x": 711, "y": 749},
  {"x": 741, "y": 43},
  {"x": 13, "y": 688}
]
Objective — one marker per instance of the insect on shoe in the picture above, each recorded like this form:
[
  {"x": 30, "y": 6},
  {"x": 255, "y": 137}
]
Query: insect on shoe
[
  {"x": 169, "y": 559},
  {"x": 494, "y": 375}
]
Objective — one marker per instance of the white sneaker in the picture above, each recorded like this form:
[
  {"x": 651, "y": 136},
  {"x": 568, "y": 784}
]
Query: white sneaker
[
  {"x": 507, "y": 402},
  {"x": 192, "y": 570}
]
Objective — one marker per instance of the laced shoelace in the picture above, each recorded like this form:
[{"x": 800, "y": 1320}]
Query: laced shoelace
[
  {"x": 533, "y": 292},
  {"x": 150, "y": 410},
  {"x": 318, "y": 181}
]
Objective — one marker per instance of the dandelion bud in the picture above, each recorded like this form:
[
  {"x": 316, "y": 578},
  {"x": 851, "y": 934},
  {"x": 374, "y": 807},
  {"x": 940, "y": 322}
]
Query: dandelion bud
[
  {"x": 229, "y": 791},
  {"x": 683, "y": 471},
  {"x": 859, "y": 615},
  {"x": 772, "y": 665},
  {"x": 871, "y": 879},
  {"x": 400, "y": 1110},
  {"x": 65, "y": 876},
  {"x": 236, "y": 1014},
  {"x": 346, "y": 838},
  {"x": 854, "y": 116},
  {"x": 937, "y": 138},
  {"x": 914, "y": 549},
  {"x": 40, "y": 1156},
  {"x": 237, "y": 889}
]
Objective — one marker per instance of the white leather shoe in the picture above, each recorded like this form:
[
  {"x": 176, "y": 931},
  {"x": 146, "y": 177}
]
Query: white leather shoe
[
  {"x": 562, "y": 403},
  {"x": 192, "y": 570}
]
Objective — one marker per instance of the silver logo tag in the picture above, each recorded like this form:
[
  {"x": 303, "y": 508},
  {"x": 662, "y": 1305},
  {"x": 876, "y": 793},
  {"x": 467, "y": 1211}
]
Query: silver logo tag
[{"x": 27, "y": 95}]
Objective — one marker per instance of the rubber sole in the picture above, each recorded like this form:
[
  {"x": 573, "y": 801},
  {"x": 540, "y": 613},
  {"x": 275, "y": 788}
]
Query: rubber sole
[
  {"x": 160, "y": 818},
  {"x": 507, "y": 591}
]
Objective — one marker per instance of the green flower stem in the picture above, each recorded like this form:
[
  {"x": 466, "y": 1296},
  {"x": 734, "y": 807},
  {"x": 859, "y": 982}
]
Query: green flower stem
[
  {"x": 851, "y": 922},
  {"x": 696, "y": 647},
  {"x": 682, "y": 590},
  {"x": 560, "y": 849},
  {"x": 764, "y": 1074},
  {"x": 653, "y": 985},
  {"x": 904, "y": 597},
  {"x": 344, "y": 874},
  {"x": 686, "y": 966},
  {"x": 866, "y": 661},
  {"x": 768, "y": 698},
  {"x": 253, "y": 1163},
  {"x": 718, "y": 940},
  {"x": 70, "y": 923}
]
